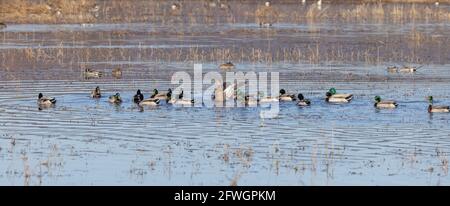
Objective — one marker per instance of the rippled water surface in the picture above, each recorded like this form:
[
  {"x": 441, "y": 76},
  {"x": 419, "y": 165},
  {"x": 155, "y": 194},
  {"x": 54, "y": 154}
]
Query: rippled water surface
[
  {"x": 85, "y": 141},
  {"x": 82, "y": 141}
]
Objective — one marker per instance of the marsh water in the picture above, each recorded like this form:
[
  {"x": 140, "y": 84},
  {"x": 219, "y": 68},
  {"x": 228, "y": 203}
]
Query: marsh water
[{"x": 83, "y": 141}]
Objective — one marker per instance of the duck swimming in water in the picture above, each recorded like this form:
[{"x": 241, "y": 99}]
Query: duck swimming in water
[
  {"x": 383, "y": 104},
  {"x": 89, "y": 73},
  {"x": 138, "y": 97},
  {"x": 162, "y": 96},
  {"x": 181, "y": 100},
  {"x": 302, "y": 101},
  {"x": 436, "y": 109},
  {"x": 116, "y": 99},
  {"x": 45, "y": 101},
  {"x": 96, "y": 93},
  {"x": 227, "y": 66},
  {"x": 286, "y": 97},
  {"x": 332, "y": 96}
]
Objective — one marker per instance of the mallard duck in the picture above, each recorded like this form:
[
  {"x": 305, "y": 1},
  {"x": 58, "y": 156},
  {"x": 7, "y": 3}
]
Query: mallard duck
[
  {"x": 163, "y": 96},
  {"x": 331, "y": 96},
  {"x": 227, "y": 66},
  {"x": 385, "y": 103},
  {"x": 149, "y": 102},
  {"x": 117, "y": 72},
  {"x": 89, "y": 73},
  {"x": 181, "y": 100},
  {"x": 115, "y": 98},
  {"x": 302, "y": 101},
  {"x": 392, "y": 69},
  {"x": 408, "y": 69},
  {"x": 286, "y": 97},
  {"x": 250, "y": 102},
  {"x": 265, "y": 24},
  {"x": 45, "y": 101},
  {"x": 138, "y": 97},
  {"x": 436, "y": 109},
  {"x": 2, "y": 25},
  {"x": 96, "y": 93}
]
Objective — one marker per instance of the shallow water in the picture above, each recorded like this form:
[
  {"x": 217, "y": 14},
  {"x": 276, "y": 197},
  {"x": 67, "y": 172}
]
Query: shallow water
[{"x": 83, "y": 141}]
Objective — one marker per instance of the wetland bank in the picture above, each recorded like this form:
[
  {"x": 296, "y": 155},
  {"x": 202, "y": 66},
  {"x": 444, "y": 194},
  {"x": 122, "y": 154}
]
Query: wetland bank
[{"x": 346, "y": 45}]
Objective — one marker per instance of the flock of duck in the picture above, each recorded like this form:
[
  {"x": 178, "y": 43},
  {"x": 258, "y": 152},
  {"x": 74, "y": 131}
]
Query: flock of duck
[{"x": 154, "y": 100}]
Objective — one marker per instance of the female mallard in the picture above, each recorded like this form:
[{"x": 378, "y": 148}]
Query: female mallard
[
  {"x": 89, "y": 73},
  {"x": 385, "y": 103},
  {"x": 286, "y": 97},
  {"x": 435, "y": 109},
  {"x": 392, "y": 69},
  {"x": 164, "y": 95},
  {"x": 227, "y": 66},
  {"x": 96, "y": 93},
  {"x": 149, "y": 102},
  {"x": 331, "y": 96},
  {"x": 138, "y": 97},
  {"x": 115, "y": 98},
  {"x": 117, "y": 73},
  {"x": 302, "y": 101},
  {"x": 45, "y": 101},
  {"x": 181, "y": 101}
]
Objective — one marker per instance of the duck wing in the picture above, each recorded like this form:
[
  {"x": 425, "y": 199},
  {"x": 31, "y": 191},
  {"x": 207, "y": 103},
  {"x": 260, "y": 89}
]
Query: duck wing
[
  {"x": 441, "y": 107},
  {"x": 343, "y": 96}
]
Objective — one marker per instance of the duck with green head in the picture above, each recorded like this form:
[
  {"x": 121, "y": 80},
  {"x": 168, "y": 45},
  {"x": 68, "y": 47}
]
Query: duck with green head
[
  {"x": 384, "y": 104},
  {"x": 302, "y": 101},
  {"x": 45, "y": 101},
  {"x": 96, "y": 93},
  {"x": 163, "y": 95},
  {"x": 286, "y": 97},
  {"x": 435, "y": 109},
  {"x": 116, "y": 99},
  {"x": 332, "y": 96}
]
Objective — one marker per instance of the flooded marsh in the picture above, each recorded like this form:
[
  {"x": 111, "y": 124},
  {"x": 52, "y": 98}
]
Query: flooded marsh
[{"x": 347, "y": 45}]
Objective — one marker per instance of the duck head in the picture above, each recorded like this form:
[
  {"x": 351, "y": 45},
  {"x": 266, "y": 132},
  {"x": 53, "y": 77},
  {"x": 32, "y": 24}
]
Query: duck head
[
  {"x": 332, "y": 91},
  {"x": 377, "y": 99},
  {"x": 138, "y": 91},
  {"x": 40, "y": 96},
  {"x": 300, "y": 97},
  {"x": 282, "y": 91},
  {"x": 155, "y": 91}
]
